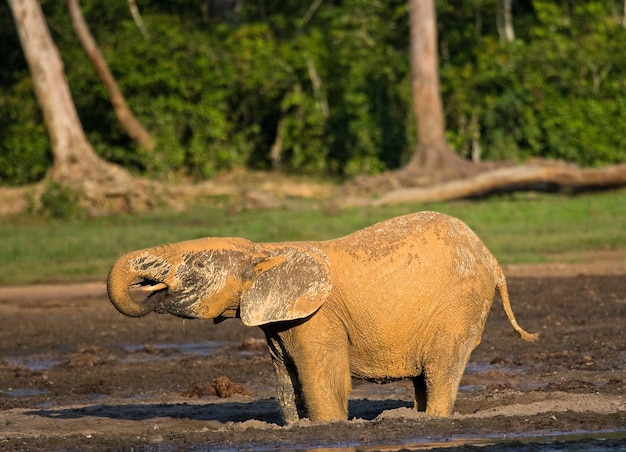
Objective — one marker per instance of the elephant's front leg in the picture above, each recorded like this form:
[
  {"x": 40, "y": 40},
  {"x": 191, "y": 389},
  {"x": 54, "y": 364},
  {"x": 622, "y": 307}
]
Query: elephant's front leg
[
  {"x": 288, "y": 390},
  {"x": 323, "y": 371},
  {"x": 312, "y": 369},
  {"x": 288, "y": 396},
  {"x": 326, "y": 385}
]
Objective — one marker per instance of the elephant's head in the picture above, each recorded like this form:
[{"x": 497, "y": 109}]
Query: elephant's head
[{"x": 220, "y": 278}]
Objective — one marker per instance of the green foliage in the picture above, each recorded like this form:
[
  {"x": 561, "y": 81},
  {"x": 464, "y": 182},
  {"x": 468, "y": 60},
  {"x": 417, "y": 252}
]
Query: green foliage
[
  {"x": 573, "y": 126},
  {"x": 58, "y": 202},
  {"x": 327, "y": 94},
  {"x": 24, "y": 146},
  {"x": 556, "y": 92}
]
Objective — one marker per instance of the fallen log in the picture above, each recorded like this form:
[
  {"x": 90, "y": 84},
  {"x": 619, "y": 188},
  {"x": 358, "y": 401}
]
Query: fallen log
[{"x": 544, "y": 176}]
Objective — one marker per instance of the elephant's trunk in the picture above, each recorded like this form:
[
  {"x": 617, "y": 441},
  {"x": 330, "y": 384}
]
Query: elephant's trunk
[{"x": 120, "y": 280}]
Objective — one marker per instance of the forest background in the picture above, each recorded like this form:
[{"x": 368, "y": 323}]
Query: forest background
[{"x": 324, "y": 91}]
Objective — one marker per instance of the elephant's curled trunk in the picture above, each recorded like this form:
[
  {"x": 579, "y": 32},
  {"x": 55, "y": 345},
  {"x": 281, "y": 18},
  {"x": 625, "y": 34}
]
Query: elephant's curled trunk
[{"x": 119, "y": 282}]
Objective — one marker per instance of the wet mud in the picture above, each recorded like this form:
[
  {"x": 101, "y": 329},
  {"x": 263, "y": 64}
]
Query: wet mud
[{"x": 77, "y": 375}]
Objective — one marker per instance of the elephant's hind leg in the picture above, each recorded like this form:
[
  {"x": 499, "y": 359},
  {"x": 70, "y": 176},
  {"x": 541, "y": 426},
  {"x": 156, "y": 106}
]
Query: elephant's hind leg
[
  {"x": 441, "y": 391},
  {"x": 443, "y": 376}
]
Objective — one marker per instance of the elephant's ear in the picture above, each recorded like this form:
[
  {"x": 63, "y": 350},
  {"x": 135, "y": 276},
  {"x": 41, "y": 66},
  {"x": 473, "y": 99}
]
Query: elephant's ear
[{"x": 289, "y": 283}]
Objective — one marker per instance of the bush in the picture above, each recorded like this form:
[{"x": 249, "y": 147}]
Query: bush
[{"x": 58, "y": 202}]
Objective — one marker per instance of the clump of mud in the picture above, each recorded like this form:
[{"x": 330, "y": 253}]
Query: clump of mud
[{"x": 222, "y": 387}]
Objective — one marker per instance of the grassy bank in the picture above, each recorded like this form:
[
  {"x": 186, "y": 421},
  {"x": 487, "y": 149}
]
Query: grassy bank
[{"x": 520, "y": 228}]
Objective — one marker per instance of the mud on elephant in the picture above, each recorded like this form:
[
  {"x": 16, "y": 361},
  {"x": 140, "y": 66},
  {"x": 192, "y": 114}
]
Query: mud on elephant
[{"x": 404, "y": 298}]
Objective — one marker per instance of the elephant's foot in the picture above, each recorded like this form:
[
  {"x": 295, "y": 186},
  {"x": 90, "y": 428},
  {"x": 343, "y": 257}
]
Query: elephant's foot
[
  {"x": 328, "y": 412},
  {"x": 439, "y": 409}
]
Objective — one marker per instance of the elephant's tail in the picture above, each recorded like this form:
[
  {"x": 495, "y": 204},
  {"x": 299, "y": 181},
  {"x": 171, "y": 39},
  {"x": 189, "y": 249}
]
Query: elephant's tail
[{"x": 503, "y": 291}]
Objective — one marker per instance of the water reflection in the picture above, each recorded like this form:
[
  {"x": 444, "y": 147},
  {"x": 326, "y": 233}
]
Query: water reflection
[{"x": 604, "y": 441}]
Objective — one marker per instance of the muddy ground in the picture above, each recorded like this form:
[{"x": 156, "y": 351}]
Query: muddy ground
[{"x": 77, "y": 375}]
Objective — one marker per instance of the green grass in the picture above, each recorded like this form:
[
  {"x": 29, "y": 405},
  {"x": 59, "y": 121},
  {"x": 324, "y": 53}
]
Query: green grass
[{"x": 519, "y": 228}]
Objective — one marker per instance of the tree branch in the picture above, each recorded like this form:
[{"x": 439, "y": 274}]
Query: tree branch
[
  {"x": 134, "y": 11},
  {"x": 126, "y": 118}
]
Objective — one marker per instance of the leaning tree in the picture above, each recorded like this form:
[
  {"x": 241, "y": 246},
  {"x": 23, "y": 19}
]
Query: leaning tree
[
  {"x": 125, "y": 116},
  {"x": 101, "y": 187}
]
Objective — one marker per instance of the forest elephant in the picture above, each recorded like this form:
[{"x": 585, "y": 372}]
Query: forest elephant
[{"x": 404, "y": 298}]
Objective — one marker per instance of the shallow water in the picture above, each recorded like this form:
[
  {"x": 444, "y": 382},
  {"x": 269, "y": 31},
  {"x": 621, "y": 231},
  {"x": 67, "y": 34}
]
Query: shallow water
[
  {"x": 197, "y": 348},
  {"x": 34, "y": 364},
  {"x": 17, "y": 392},
  {"x": 136, "y": 352},
  {"x": 167, "y": 350},
  {"x": 604, "y": 441},
  {"x": 558, "y": 441}
]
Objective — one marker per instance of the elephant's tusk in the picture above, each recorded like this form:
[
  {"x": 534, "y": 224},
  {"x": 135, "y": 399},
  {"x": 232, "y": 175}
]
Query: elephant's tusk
[
  {"x": 147, "y": 286},
  {"x": 154, "y": 287}
]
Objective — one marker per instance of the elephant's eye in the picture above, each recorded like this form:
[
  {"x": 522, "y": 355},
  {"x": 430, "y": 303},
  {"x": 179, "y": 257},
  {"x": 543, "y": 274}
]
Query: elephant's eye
[{"x": 198, "y": 261}]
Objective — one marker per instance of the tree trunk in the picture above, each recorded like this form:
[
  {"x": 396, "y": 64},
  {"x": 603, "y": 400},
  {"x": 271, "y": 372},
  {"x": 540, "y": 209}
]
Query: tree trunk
[
  {"x": 504, "y": 21},
  {"x": 433, "y": 160},
  {"x": 102, "y": 187},
  {"x": 127, "y": 119}
]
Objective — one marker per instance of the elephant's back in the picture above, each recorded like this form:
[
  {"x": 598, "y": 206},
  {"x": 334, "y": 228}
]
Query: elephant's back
[
  {"x": 415, "y": 245},
  {"x": 417, "y": 234}
]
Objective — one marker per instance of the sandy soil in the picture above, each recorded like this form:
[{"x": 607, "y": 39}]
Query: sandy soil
[{"x": 76, "y": 375}]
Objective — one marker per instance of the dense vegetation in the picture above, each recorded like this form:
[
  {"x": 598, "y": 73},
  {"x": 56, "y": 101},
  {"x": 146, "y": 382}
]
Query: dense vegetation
[{"x": 268, "y": 85}]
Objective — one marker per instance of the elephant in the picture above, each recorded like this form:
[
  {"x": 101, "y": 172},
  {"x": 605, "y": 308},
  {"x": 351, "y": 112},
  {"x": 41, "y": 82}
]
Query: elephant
[{"x": 404, "y": 298}]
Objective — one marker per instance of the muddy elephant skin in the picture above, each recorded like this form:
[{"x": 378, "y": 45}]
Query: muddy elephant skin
[{"x": 404, "y": 298}]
